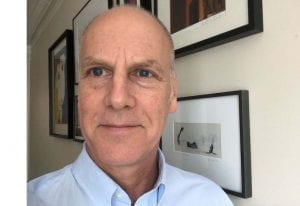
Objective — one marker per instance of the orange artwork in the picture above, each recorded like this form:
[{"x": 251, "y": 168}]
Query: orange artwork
[{"x": 185, "y": 13}]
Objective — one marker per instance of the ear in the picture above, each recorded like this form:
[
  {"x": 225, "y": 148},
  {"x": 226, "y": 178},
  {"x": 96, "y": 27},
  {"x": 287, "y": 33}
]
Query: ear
[{"x": 173, "y": 94}]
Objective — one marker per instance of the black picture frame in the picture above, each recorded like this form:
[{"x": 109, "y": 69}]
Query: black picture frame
[
  {"x": 228, "y": 154},
  {"x": 253, "y": 26},
  {"x": 61, "y": 86}
]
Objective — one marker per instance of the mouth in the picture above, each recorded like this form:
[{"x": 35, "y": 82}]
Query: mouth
[{"x": 119, "y": 128}]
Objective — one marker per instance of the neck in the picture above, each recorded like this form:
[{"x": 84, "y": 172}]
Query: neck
[{"x": 135, "y": 179}]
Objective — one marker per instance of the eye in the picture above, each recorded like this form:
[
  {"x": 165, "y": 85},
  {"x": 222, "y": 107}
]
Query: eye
[
  {"x": 97, "y": 71},
  {"x": 144, "y": 73}
]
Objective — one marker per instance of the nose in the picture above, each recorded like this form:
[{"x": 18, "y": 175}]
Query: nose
[{"x": 120, "y": 95}]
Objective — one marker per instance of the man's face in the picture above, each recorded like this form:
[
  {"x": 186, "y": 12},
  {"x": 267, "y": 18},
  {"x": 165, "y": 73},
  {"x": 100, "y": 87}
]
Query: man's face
[{"x": 126, "y": 89}]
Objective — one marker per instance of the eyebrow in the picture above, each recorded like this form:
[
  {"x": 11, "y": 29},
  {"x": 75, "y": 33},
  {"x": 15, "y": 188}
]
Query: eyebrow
[
  {"x": 149, "y": 62},
  {"x": 92, "y": 61}
]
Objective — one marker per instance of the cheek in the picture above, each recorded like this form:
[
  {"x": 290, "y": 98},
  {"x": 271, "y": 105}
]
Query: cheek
[
  {"x": 87, "y": 106},
  {"x": 156, "y": 106},
  {"x": 84, "y": 102}
]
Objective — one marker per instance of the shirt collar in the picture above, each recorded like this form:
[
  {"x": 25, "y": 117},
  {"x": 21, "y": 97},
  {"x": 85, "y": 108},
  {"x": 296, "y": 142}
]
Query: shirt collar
[
  {"x": 96, "y": 183},
  {"x": 100, "y": 187},
  {"x": 161, "y": 180}
]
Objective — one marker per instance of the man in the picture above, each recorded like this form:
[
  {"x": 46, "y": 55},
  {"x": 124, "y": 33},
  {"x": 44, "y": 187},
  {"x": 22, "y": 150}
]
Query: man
[{"x": 127, "y": 88}]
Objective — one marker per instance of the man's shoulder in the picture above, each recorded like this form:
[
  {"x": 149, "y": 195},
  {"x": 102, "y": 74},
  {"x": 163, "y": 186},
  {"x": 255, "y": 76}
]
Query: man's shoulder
[
  {"x": 194, "y": 189},
  {"x": 42, "y": 189},
  {"x": 52, "y": 179},
  {"x": 178, "y": 174}
]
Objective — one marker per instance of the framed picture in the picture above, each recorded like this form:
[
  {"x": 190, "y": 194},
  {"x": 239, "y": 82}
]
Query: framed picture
[
  {"x": 61, "y": 81},
  {"x": 77, "y": 131},
  {"x": 210, "y": 135},
  {"x": 196, "y": 25},
  {"x": 149, "y": 5}
]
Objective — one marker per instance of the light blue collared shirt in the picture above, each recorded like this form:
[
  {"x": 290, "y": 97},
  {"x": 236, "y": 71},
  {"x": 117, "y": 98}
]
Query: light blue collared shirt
[{"x": 83, "y": 183}]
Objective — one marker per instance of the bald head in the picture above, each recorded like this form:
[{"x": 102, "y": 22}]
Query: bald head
[{"x": 125, "y": 18}]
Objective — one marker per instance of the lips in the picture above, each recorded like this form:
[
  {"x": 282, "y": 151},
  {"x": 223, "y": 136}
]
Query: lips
[{"x": 119, "y": 128}]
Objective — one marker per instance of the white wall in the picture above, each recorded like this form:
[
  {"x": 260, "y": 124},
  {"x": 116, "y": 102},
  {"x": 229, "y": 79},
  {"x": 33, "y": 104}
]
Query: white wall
[{"x": 266, "y": 64}]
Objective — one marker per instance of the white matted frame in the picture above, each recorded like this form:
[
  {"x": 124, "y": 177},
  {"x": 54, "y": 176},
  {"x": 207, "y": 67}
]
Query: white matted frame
[
  {"x": 210, "y": 135},
  {"x": 238, "y": 19}
]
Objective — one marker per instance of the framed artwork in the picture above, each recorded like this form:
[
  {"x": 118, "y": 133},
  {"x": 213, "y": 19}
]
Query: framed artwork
[
  {"x": 61, "y": 82},
  {"x": 149, "y": 5},
  {"x": 210, "y": 135},
  {"x": 196, "y": 25}
]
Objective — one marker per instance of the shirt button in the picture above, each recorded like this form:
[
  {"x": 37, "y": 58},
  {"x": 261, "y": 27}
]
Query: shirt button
[{"x": 119, "y": 195}]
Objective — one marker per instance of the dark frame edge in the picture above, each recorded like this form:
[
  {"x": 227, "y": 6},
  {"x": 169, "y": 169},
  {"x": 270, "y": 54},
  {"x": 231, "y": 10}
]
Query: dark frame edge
[
  {"x": 78, "y": 140},
  {"x": 50, "y": 89},
  {"x": 219, "y": 94},
  {"x": 155, "y": 8},
  {"x": 79, "y": 13},
  {"x": 245, "y": 144},
  {"x": 70, "y": 79},
  {"x": 256, "y": 15}
]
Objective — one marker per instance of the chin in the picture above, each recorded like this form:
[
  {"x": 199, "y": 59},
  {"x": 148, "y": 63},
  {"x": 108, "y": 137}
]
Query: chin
[{"x": 120, "y": 155}]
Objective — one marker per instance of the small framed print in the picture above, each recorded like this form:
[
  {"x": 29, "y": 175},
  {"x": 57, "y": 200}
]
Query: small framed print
[
  {"x": 61, "y": 80},
  {"x": 196, "y": 25},
  {"x": 210, "y": 135}
]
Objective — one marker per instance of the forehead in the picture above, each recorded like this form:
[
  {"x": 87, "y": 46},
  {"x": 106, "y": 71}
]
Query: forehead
[{"x": 131, "y": 33}]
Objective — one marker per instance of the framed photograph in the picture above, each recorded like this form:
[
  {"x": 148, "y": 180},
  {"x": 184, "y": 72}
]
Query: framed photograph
[
  {"x": 61, "y": 82},
  {"x": 149, "y": 5},
  {"x": 196, "y": 25},
  {"x": 77, "y": 132},
  {"x": 210, "y": 135}
]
